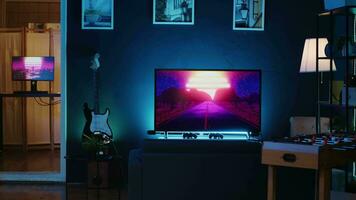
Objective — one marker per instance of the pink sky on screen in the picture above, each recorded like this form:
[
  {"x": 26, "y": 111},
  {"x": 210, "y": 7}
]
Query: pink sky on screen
[{"x": 46, "y": 63}]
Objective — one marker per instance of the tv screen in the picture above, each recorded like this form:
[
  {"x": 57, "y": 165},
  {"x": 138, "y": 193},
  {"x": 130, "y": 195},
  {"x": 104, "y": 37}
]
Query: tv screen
[
  {"x": 207, "y": 100},
  {"x": 32, "y": 68}
]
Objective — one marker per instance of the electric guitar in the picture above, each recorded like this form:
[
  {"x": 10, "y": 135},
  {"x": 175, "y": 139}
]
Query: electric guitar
[{"x": 96, "y": 122}]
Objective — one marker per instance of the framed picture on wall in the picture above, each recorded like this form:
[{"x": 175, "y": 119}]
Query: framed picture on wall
[
  {"x": 98, "y": 14},
  {"x": 179, "y": 12},
  {"x": 249, "y": 15}
]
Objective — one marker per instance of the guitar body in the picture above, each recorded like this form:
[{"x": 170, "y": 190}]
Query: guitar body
[{"x": 99, "y": 123}]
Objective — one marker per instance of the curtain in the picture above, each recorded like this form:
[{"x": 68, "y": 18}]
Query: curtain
[
  {"x": 56, "y": 52},
  {"x": 38, "y": 117},
  {"x": 37, "y": 124},
  {"x": 10, "y": 45}
]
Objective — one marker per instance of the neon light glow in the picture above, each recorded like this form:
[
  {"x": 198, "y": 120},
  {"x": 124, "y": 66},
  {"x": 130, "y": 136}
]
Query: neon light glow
[
  {"x": 208, "y": 81},
  {"x": 203, "y": 135}
]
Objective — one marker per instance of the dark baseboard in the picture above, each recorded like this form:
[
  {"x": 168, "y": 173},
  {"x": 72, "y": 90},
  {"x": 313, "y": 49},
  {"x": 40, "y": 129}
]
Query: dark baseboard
[{"x": 32, "y": 183}]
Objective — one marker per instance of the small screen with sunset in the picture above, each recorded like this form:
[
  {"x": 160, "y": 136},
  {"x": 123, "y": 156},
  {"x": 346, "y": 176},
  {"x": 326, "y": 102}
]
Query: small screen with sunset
[
  {"x": 33, "y": 68},
  {"x": 202, "y": 100}
]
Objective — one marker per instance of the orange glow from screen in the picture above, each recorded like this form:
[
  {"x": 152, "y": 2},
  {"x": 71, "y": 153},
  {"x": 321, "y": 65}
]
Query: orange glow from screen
[{"x": 208, "y": 81}]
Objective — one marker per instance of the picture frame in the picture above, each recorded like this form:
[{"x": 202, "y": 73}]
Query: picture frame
[
  {"x": 174, "y": 12},
  {"x": 249, "y": 15},
  {"x": 98, "y": 14}
]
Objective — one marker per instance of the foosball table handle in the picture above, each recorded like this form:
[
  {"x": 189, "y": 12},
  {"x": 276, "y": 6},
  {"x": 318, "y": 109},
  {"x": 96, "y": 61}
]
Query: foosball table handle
[{"x": 288, "y": 157}]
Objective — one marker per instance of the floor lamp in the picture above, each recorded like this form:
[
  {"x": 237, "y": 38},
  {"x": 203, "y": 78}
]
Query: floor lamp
[{"x": 309, "y": 65}]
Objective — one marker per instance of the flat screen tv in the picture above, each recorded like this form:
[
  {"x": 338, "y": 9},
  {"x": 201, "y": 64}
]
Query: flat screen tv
[
  {"x": 208, "y": 100},
  {"x": 32, "y": 68}
]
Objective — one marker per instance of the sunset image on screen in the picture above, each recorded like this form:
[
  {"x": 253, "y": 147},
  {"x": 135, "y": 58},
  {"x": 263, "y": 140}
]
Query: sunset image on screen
[
  {"x": 188, "y": 100},
  {"x": 33, "y": 68}
]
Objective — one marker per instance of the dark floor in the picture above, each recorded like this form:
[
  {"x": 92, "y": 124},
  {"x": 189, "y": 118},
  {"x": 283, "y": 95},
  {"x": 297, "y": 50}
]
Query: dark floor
[
  {"x": 36, "y": 191},
  {"x": 27, "y": 191},
  {"x": 16, "y": 160}
]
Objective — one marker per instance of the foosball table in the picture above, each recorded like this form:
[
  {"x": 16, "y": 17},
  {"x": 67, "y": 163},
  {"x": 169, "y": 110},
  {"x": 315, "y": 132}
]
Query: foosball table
[{"x": 319, "y": 152}]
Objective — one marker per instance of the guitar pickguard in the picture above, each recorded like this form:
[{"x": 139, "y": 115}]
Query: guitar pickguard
[{"x": 99, "y": 123}]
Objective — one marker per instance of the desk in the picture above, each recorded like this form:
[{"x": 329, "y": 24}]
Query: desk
[
  {"x": 320, "y": 158},
  {"x": 24, "y": 134}
]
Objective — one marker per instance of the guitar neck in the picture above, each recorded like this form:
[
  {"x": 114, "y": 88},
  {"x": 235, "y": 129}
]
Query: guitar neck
[{"x": 96, "y": 91}]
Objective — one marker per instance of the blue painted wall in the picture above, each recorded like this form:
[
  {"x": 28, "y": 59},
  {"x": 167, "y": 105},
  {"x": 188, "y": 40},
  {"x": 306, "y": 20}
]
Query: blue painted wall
[{"x": 132, "y": 51}]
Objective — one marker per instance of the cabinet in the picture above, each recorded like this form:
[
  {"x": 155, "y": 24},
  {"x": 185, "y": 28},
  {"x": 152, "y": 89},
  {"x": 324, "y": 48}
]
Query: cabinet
[{"x": 338, "y": 26}]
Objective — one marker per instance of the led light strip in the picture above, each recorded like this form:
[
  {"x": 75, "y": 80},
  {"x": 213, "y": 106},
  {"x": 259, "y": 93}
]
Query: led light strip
[
  {"x": 204, "y": 135},
  {"x": 354, "y": 33}
]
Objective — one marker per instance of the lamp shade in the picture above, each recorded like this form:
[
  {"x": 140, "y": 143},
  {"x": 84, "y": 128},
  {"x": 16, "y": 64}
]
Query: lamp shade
[
  {"x": 309, "y": 56},
  {"x": 244, "y": 11}
]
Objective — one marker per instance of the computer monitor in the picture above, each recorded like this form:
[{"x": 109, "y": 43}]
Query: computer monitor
[{"x": 33, "y": 69}]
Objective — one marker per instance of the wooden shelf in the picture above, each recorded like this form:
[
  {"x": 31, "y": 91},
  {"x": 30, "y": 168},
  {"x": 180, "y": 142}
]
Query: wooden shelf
[{"x": 340, "y": 106}]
